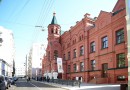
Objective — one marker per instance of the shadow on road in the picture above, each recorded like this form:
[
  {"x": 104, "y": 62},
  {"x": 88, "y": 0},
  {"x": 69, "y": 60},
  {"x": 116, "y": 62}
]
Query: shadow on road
[{"x": 24, "y": 83}]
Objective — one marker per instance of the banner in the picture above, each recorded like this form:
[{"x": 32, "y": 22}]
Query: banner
[{"x": 59, "y": 65}]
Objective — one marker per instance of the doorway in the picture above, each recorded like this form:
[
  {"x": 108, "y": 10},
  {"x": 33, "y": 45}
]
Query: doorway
[{"x": 104, "y": 70}]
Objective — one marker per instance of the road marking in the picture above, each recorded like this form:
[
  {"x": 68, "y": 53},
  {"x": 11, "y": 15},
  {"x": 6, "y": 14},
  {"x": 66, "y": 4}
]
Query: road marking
[{"x": 35, "y": 86}]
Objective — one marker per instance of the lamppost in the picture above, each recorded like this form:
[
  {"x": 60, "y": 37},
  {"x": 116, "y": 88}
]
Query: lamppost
[
  {"x": 40, "y": 27},
  {"x": 25, "y": 64}
]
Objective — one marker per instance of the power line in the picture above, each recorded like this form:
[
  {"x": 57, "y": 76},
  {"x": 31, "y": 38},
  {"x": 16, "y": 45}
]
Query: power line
[
  {"x": 21, "y": 10},
  {"x": 42, "y": 19}
]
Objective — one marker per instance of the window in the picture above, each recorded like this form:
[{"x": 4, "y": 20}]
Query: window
[
  {"x": 92, "y": 47},
  {"x": 120, "y": 36},
  {"x": 49, "y": 55},
  {"x": 52, "y": 30},
  {"x": 55, "y": 54},
  {"x": 68, "y": 55},
  {"x": 74, "y": 41},
  {"x": 64, "y": 57},
  {"x": 80, "y": 37},
  {"x": 81, "y": 66},
  {"x": 74, "y": 53},
  {"x": 93, "y": 64},
  {"x": 75, "y": 68},
  {"x": 121, "y": 78},
  {"x": 121, "y": 60},
  {"x": 81, "y": 50},
  {"x": 68, "y": 68},
  {"x": 105, "y": 42},
  {"x": 56, "y": 31}
]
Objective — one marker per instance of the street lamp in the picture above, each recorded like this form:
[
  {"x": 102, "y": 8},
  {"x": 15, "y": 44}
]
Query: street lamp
[
  {"x": 25, "y": 64},
  {"x": 41, "y": 27}
]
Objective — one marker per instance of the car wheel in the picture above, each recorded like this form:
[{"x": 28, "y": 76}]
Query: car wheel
[{"x": 7, "y": 87}]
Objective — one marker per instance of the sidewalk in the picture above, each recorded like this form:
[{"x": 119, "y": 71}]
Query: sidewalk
[{"x": 86, "y": 86}]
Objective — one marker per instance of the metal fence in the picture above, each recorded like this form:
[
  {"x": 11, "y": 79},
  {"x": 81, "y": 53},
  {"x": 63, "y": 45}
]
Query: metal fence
[{"x": 66, "y": 82}]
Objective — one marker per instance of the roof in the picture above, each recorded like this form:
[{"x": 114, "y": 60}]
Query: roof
[
  {"x": 116, "y": 12},
  {"x": 54, "y": 21}
]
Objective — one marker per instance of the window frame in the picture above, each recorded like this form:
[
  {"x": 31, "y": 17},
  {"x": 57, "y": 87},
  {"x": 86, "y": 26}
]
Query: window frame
[
  {"x": 93, "y": 65},
  {"x": 75, "y": 67},
  {"x": 104, "y": 42},
  {"x": 69, "y": 55},
  {"x": 64, "y": 58},
  {"x": 120, "y": 37},
  {"x": 81, "y": 66},
  {"x": 74, "y": 53},
  {"x": 48, "y": 55},
  {"x": 81, "y": 50},
  {"x": 92, "y": 47},
  {"x": 69, "y": 69},
  {"x": 119, "y": 61},
  {"x": 55, "y": 54}
]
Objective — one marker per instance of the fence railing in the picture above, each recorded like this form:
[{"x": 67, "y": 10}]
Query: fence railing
[{"x": 66, "y": 82}]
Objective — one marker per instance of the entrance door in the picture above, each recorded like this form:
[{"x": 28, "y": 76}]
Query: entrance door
[
  {"x": 104, "y": 69},
  {"x": 59, "y": 76}
]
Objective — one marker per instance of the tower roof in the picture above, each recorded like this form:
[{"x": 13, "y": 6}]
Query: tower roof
[{"x": 54, "y": 21}]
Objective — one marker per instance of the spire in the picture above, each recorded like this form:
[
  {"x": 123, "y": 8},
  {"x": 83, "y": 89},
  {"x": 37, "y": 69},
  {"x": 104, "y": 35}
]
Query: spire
[{"x": 54, "y": 21}]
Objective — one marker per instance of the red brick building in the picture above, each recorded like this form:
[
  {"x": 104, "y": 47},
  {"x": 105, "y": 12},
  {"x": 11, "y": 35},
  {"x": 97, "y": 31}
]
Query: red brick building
[{"x": 93, "y": 51}]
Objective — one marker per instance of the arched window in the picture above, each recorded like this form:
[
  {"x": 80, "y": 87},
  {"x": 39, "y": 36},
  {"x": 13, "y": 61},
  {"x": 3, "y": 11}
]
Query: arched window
[
  {"x": 55, "y": 54},
  {"x": 49, "y": 55},
  {"x": 56, "y": 31},
  {"x": 52, "y": 30}
]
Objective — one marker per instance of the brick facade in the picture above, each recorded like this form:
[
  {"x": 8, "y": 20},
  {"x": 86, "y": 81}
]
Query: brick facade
[{"x": 92, "y": 48}]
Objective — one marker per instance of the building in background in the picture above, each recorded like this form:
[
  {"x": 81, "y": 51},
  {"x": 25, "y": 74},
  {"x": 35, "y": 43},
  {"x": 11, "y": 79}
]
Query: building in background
[
  {"x": 20, "y": 71},
  {"x": 7, "y": 51},
  {"x": 35, "y": 61},
  {"x": 92, "y": 51},
  {"x": 128, "y": 36}
]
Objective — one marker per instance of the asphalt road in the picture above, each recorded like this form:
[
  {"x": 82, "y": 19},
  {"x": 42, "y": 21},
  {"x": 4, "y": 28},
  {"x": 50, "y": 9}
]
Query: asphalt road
[{"x": 22, "y": 84}]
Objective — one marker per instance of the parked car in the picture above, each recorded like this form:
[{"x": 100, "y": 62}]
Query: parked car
[
  {"x": 8, "y": 82},
  {"x": 15, "y": 78},
  {"x": 12, "y": 80},
  {"x": 2, "y": 83}
]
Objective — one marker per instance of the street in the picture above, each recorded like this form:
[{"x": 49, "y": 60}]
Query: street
[{"x": 22, "y": 84}]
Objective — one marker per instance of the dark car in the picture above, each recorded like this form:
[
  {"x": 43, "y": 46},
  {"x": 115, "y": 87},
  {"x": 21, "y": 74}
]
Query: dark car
[
  {"x": 12, "y": 80},
  {"x": 2, "y": 83},
  {"x": 8, "y": 82}
]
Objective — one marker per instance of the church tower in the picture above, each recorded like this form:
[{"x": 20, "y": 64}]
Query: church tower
[
  {"x": 53, "y": 47},
  {"x": 53, "y": 30}
]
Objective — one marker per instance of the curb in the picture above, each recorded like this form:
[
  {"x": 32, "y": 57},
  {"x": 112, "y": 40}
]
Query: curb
[{"x": 51, "y": 84}]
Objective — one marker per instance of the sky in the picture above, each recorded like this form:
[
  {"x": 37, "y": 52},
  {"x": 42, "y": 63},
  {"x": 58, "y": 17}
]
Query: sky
[{"x": 24, "y": 16}]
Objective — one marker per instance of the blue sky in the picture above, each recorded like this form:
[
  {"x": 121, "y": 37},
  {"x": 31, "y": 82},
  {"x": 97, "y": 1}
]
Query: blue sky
[{"x": 21, "y": 16}]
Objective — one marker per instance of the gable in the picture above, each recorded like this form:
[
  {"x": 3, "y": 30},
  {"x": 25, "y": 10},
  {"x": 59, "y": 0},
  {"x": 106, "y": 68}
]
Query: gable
[
  {"x": 103, "y": 19},
  {"x": 119, "y": 5}
]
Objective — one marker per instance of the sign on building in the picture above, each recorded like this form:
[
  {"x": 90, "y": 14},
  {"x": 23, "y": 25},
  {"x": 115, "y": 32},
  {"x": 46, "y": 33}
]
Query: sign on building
[{"x": 59, "y": 65}]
